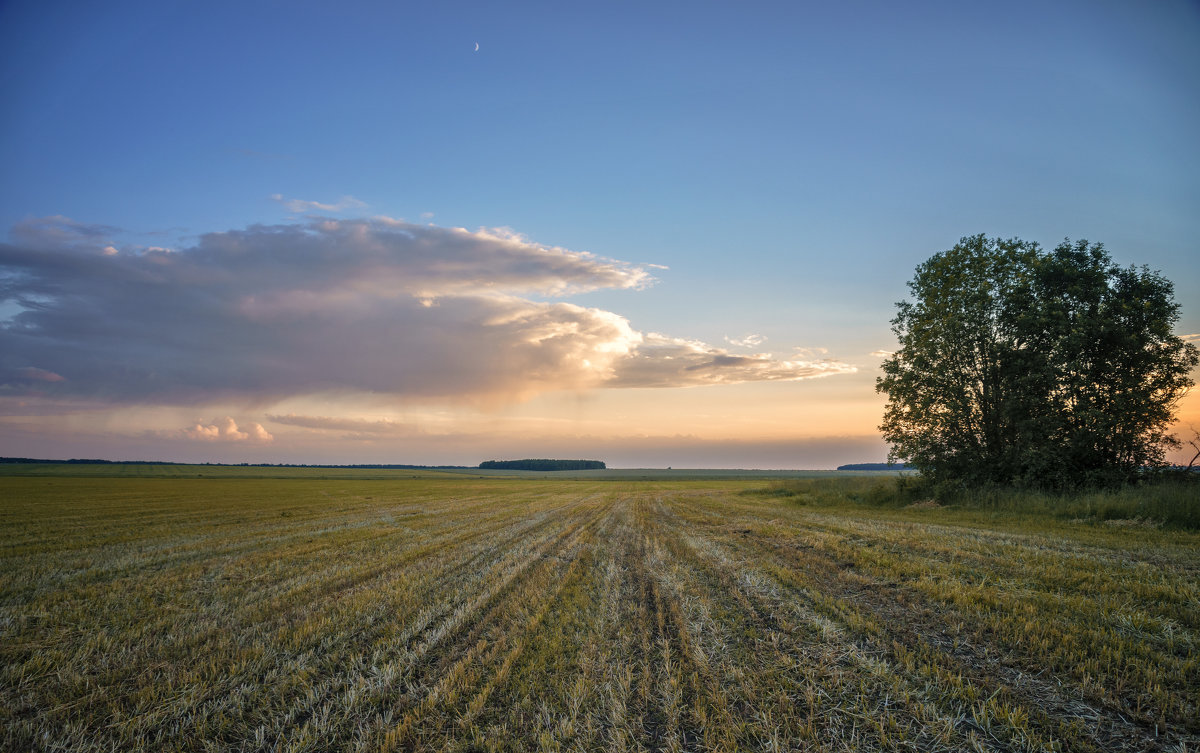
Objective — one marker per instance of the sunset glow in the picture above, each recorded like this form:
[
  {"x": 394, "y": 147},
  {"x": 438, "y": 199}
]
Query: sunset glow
[{"x": 237, "y": 238}]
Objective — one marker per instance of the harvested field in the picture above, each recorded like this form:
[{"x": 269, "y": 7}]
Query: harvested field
[{"x": 509, "y": 614}]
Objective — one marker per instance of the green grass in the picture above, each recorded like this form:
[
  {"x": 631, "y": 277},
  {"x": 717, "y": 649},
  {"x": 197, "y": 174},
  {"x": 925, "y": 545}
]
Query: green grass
[
  {"x": 466, "y": 614},
  {"x": 1173, "y": 503},
  {"x": 1169, "y": 503}
]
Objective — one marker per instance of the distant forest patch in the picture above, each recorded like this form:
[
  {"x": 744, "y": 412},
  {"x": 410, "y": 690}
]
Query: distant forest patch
[
  {"x": 367, "y": 466},
  {"x": 543, "y": 464},
  {"x": 874, "y": 467}
]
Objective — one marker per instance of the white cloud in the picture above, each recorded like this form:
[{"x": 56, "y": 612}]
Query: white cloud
[
  {"x": 882, "y": 353},
  {"x": 300, "y": 206},
  {"x": 661, "y": 361},
  {"x": 748, "y": 341},
  {"x": 355, "y": 425},
  {"x": 226, "y": 430},
  {"x": 370, "y": 306}
]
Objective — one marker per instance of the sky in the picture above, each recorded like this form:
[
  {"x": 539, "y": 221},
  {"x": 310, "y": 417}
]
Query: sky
[{"x": 654, "y": 234}]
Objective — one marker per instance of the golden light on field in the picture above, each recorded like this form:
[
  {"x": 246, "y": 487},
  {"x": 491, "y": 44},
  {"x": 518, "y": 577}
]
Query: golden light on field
[{"x": 319, "y": 609}]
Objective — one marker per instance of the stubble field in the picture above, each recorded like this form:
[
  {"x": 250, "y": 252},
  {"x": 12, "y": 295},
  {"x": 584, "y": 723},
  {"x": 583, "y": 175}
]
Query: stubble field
[{"x": 507, "y": 614}]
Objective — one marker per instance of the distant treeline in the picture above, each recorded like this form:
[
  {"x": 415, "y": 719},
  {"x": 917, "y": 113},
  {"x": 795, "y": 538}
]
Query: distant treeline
[
  {"x": 543, "y": 464},
  {"x": 874, "y": 467},
  {"x": 377, "y": 466},
  {"x": 82, "y": 461}
]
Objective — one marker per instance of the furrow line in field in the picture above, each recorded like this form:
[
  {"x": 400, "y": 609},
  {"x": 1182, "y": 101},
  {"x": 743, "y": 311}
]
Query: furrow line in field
[
  {"x": 845, "y": 604},
  {"x": 492, "y": 644},
  {"x": 1116, "y": 645},
  {"x": 933, "y": 639},
  {"x": 547, "y": 687},
  {"x": 694, "y": 695},
  {"x": 467, "y": 533},
  {"x": 587, "y": 700},
  {"x": 809, "y": 604},
  {"x": 852, "y": 694},
  {"x": 1084, "y": 581},
  {"x": 391, "y": 655},
  {"x": 742, "y": 639},
  {"x": 126, "y": 600},
  {"x": 260, "y": 537},
  {"x": 227, "y": 669},
  {"x": 867, "y": 561},
  {"x": 113, "y": 563}
]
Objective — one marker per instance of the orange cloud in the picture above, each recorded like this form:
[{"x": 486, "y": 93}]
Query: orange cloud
[{"x": 226, "y": 429}]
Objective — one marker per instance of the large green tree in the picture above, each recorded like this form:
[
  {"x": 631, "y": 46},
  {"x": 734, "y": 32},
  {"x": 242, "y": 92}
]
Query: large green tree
[{"x": 1054, "y": 369}]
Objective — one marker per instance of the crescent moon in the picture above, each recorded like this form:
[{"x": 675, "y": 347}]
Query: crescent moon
[{"x": 477, "y": 47}]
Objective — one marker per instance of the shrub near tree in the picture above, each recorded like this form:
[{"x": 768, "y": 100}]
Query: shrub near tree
[{"x": 1019, "y": 366}]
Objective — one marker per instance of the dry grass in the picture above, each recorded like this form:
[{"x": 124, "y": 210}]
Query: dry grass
[{"x": 512, "y": 615}]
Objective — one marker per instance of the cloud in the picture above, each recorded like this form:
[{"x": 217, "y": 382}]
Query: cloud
[
  {"x": 40, "y": 375},
  {"x": 301, "y": 206},
  {"x": 882, "y": 353},
  {"x": 661, "y": 361},
  {"x": 366, "y": 306},
  {"x": 749, "y": 341},
  {"x": 226, "y": 430},
  {"x": 355, "y": 425},
  {"x": 61, "y": 232},
  {"x": 26, "y": 381},
  {"x": 1190, "y": 338}
]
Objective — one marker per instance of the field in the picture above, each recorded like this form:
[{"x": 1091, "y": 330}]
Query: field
[{"x": 411, "y": 611}]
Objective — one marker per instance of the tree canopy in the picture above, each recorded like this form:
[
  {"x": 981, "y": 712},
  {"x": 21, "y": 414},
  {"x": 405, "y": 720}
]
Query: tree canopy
[
  {"x": 1019, "y": 366},
  {"x": 543, "y": 464}
]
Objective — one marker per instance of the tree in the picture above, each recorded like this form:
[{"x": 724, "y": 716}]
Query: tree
[
  {"x": 543, "y": 464},
  {"x": 1018, "y": 366}
]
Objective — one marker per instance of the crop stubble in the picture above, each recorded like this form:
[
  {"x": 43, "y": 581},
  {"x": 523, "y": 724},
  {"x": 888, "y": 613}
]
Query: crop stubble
[{"x": 168, "y": 614}]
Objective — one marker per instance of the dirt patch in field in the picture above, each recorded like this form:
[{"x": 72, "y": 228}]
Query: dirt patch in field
[{"x": 1133, "y": 523}]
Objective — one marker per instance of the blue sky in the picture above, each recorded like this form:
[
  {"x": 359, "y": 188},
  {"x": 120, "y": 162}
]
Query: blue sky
[{"x": 779, "y": 169}]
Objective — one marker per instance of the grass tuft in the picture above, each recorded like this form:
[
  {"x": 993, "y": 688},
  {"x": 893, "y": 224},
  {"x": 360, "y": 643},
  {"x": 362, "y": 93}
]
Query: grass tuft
[{"x": 1171, "y": 502}]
